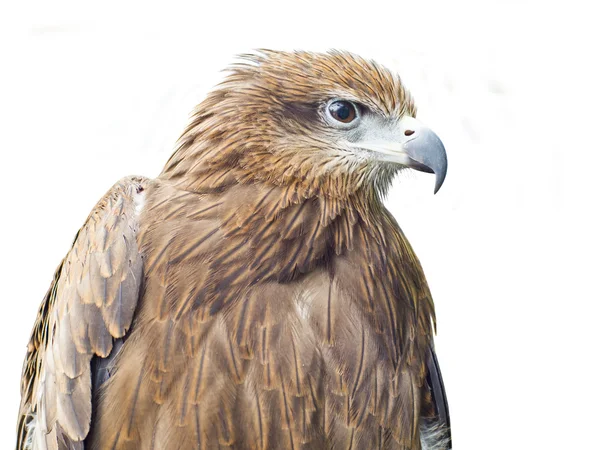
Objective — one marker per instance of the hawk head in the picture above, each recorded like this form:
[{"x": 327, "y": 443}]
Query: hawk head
[{"x": 330, "y": 123}]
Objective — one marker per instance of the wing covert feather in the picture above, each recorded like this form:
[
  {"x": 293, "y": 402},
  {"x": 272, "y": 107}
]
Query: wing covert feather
[{"x": 90, "y": 303}]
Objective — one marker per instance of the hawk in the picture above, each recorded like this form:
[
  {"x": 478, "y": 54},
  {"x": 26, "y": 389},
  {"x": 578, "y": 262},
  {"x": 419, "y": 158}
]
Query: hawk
[{"x": 257, "y": 294}]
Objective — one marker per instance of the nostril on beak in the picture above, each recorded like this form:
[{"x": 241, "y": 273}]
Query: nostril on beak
[{"x": 408, "y": 132}]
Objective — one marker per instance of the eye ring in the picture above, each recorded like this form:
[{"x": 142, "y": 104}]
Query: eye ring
[{"x": 342, "y": 112}]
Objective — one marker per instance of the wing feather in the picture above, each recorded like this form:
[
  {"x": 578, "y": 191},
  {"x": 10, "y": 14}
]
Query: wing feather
[
  {"x": 435, "y": 423},
  {"x": 91, "y": 302}
]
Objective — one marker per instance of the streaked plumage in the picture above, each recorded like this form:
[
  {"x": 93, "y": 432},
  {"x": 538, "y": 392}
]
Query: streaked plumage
[{"x": 258, "y": 292}]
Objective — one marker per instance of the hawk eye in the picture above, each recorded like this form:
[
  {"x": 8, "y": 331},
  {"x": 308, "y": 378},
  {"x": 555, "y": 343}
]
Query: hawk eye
[{"x": 342, "y": 111}]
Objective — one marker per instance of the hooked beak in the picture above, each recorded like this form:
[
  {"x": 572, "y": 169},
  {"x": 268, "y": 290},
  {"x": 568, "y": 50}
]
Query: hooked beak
[{"x": 413, "y": 145}]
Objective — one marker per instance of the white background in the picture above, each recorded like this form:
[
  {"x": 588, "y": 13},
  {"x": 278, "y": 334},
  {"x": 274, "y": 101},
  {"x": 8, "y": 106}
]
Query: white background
[{"x": 510, "y": 244}]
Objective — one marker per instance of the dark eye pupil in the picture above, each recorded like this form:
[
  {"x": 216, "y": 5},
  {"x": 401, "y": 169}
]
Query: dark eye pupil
[{"x": 342, "y": 111}]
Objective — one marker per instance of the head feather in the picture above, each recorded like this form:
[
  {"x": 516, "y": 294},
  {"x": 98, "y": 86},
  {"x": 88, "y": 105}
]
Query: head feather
[{"x": 264, "y": 122}]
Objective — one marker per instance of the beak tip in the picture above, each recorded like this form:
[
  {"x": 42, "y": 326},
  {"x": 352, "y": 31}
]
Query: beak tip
[{"x": 439, "y": 181}]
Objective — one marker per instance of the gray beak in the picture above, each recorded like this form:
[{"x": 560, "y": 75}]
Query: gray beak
[
  {"x": 410, "y": 144},
  {"x": 427, "y": 154}
]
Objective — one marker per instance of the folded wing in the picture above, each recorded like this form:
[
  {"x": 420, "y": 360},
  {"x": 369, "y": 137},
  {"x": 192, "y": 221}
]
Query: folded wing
[
  {"x": 435, "y": 422},
  {"x": 90, "y": 303}
]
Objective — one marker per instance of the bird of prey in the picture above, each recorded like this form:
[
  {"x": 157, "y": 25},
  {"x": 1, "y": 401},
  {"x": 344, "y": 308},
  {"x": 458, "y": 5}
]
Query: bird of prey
[{"x": 256, "y": 294}]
